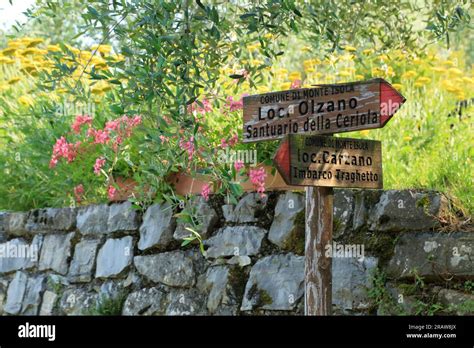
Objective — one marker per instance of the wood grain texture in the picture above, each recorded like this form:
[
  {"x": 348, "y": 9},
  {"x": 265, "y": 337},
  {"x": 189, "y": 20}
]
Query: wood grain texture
[
  {"x": 318, "y": 272},
  {"x": 324, "y": 109},
  {"x": 326, "y": 161}
]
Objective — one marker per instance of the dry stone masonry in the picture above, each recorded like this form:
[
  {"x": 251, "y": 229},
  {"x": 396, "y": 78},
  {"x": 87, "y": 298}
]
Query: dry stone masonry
[{"x": 114, "y": 259}]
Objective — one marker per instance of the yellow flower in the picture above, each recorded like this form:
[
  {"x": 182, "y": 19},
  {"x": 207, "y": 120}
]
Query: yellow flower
[
  {"x": 97, "y": 91},
  {"x": 409, "y": 74},
  {"x": 460, "y": 95},
  {"x": 407, "y": 138},
  {"x": 347, "y": 57},
  {"x": 105, "y": 49},
  {"x": 418, "y": 84},
  {"x": 364, "y": 132},
  {"x": 268, "y": 36},
  {"x": 98, "y": 62},
  {"x": 46, "y": 64},
  {"x": 368, "y": 51},
  {"x": 397, "y": 86},
  {"x": 455, "y": 71},
  {"x": 85, "y": 56},
  {"x": 383, "y": 57},
  {"x": 9, "y": 51},
  {"x": 295, "y": 75},
  {"x": 54, "y": 48},
  {"x": 263, "y": 89},
  {"x": 13, "y": 80},
  {"x": 438, "y": 69},
  {"x": 107, "y": 87},
  {"x": 32, "y": 42},
  {"x": 350, "y": 48},
  {"x": 468, "y": 79},
  {"x": 253, "y": 47},
  {"x": 257, "y": 62},
  {"x": 282, "y": 71},
  {"x": 73, "y": 50},
  {"x": 28, "y": 68},
  {"x": 33, "y": 50},
  {"x": 309, "y": 70},
  {"x": 377, "y": 71},
  {"x": 15, "y": 44},
  {"x": 25, "y": 100},
  {"x": 344, "y": 73},
  {"x": 423, "y": 80},
  {"x": 118, "y": 57},
  {"x": 359, "y": 77},
  {"x": 449, "y": 63},
  {"x": 306, "y": 49},
  {"x": 5, "y": 60},
  {"x": 309, "y": 63},
  {"x": 100, "y": 87},
  {"x": 54, "y": 97},
  {"x": 285, "y": 85}
]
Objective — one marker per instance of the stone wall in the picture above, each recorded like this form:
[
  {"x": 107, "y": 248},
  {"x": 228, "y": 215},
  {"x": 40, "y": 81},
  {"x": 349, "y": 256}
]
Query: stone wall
[{"x": 111, "y": 259}]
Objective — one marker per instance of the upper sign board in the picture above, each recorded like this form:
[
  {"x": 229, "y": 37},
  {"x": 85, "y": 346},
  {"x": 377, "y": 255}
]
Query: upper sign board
[{"x": 325, "y": 109}]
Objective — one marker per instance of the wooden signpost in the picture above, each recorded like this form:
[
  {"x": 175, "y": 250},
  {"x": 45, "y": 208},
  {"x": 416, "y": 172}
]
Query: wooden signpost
[
  {"x": 325, "y": 162},
  {"x": 307, "y": 158},
  {"x": 324, "y": 109}
]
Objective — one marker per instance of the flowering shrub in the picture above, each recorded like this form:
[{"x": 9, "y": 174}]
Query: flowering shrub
[
  {"x": 107, "y": 141},
  {"x": 188, "y": 89}
]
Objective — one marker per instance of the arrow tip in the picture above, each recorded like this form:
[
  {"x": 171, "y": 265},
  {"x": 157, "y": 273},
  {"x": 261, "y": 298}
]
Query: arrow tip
[
  {"x": 390, "y": 101},
  {"x": 282, "y": 160}
]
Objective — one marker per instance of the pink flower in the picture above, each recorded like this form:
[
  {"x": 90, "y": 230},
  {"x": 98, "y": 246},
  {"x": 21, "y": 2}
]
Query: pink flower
[
  {"x": 206, "y": 190},
  {"x": 257, "y": 177},
  {"x": 234, "y": 140},
  {"x": 296, "y": 84},
  {"x": 164, "y": 139},
  {"x": 79, "y": 121},
  {"x": 63, "y": 149},
  {"x": 238, "y": 165},
  {"x": 224, "y": 143},
  {"x": 112, "y": 125},
  {"x": 99, "y": 163},
  {"x": 78, "y": 192},
  {"x": 136, "y": 120},
  {"x": 188, "y": 146},
  {"x": 234, "y": 105},
  {"x": 101, "y": 136},
  {"x": 123, "y": 125},
  {"x": 112, "y": 191},
  {"x": 53, "y": 162},
  {"x": 206, "y": 107},
  {"x": 72, "y": 151}
]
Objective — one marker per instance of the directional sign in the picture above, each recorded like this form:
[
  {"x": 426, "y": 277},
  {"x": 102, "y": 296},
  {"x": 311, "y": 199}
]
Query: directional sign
[
  {"x": 314, "y": 160},
  {"x": 324, "y": 109}
]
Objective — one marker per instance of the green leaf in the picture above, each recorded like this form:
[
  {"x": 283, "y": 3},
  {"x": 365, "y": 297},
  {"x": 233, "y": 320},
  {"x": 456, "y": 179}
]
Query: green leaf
[{"x": 116, "y": 109}]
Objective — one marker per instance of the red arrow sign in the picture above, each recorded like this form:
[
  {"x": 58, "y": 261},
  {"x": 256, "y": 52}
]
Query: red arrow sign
[{"x": 323, "y": 109}]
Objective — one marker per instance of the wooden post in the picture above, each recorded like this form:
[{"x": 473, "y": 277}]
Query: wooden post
[{"x": 318, "y": 273}]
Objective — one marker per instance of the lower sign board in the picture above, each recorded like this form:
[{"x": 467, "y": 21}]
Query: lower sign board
[{"x": 314, "y": 160}]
